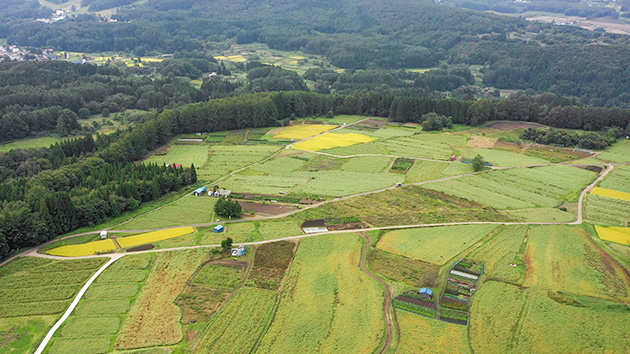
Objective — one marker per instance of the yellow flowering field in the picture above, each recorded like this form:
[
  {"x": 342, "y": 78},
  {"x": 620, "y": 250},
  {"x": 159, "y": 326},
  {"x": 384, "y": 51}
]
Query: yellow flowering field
[
  {"x": 614, "y": 234},
  {"x": 610, "y": 193},
  {"x": 85, "y": 249},
  {"x": 303, "y": 131},
  {"x": 332, "y": 140},
  {"x": 220, "y": 57},
  {"x": 154, "y": 236}
]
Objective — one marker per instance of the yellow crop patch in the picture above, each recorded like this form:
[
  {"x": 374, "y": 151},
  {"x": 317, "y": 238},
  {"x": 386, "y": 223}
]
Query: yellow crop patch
[
  {"x": 332, "y": 140},
  {"x": 611, "y": 234},
  {"x": 610, "y": 193},
  {"x": 303, "y": 131},
  {"x": 152, "y": 60},
  {"x": 154, "y": 236},
  {"x": 236, "y": 58},
  {"x": 625, "y": 230},
  {"x": 86, "y": 249},
  {"x": 298, "y": 57}
]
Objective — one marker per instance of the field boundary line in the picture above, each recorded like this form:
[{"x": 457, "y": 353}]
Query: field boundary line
[{"x": 74, "y": 303}]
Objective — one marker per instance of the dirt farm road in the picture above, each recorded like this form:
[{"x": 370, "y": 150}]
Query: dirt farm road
[{"x": 390, "y": 322}]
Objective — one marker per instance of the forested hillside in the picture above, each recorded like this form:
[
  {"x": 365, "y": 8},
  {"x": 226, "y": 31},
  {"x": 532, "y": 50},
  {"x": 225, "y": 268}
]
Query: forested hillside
[{"x": 360, "y": 34}]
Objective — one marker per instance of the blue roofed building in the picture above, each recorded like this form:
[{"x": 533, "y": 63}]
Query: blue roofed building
[
  {"x": 200, "y": 191},
  {"x": 219, "y": 228},
  {"x": 426, "y": 293}
]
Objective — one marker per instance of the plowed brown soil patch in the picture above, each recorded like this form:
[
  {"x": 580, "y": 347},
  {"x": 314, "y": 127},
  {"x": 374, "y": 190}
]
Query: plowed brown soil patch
[
  {"x": 481, "y": 142},
  {"x": 273, "y": 209}
]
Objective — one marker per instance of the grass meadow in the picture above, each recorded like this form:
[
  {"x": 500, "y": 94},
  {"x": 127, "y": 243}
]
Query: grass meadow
[
  {"x": 184, "y": 155},
  {"x": 328, "y": 304},
  {"x": 29, "y": 143}
]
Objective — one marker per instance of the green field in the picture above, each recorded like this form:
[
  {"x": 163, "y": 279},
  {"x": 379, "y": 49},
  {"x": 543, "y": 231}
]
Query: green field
[
  {"x": 29, "y": 143},
  {"x": 405, "y": 206},
  {"x": 419, "y": 334},
  {"x": 239, "y": 325},
  {"x": 184, "y": 155},
  {"x": 520, "y": 188},
  {"x": 541, "y": 215},
  {"x": 563, "y": 258},
  {"x": 608, "y": 211},
  {"x": 618, "y": 152},
  {"x": 433, "y": 244},
  {"x": 226, "y": 159},
  {"x": 367, "y": 164},
  {"x": 186, "y": 211},
  {"x": 504, "y": 248},
  {"x": 423, "y": 145},
  {"x": 618, "y": 180},
  {"x": 501, "y": 157},
  {"x": 425, "y": 170},
  {"x": 530, "y": 321},
  {"x": 328, "y": 304}
]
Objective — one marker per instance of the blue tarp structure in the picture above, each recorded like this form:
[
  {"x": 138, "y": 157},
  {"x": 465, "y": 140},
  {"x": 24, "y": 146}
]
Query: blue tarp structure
[
  {"x": 426, "y": 291},
  {"x": 219, "y": 228},
  {"x": 200, "y": 191}
]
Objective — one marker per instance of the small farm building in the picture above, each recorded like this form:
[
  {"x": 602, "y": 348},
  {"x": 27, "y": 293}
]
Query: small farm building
[
  {"x": 426, "y": 293},
  {"x": 199, "y": 191},
  {"x": 313, "y": 226},
  {"x": 219, "y": 228},
  {"x": 239, "y": 252},
  {"x": 103, "y": 235}
]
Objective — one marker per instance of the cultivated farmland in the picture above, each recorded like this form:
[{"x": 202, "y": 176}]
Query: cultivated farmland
[
  {"x": 184, "y": 155},
  {"x": 303, "y": 131},
  {"x": 325, "y": 295},
  {"x": 606, "y": 210},
  {"x": 502, "y": 254},
  {"x": 332, "y": 140},
  {"x": 226, "y": 159},
  {"x": 433, "y": 244},
  {"x": 614, "y": 234},
  {"x": 419, "y": 334},
  {"x": 618, "y": 180},
  {"x": 519, "y": 188},
  {"x": 85, "y": 249},
  {"x": 188, "y": 210},
  {"x": 154, "y": 236},
  {"x": 610, "y": 193},
  {"x": 148, "y": 324}
]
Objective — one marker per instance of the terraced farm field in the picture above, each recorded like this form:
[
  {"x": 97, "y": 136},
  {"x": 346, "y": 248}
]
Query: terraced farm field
[
  {"x": 619, "y": 179},
  {"x": 608, "y": 211},
  {"x": 520, "y": 188},
  {"x": 186, "y": 211},
  {"x": 502, "y": 250},
  {"x": 227, "y": 158},
  {"x": 419, "y": 334}
]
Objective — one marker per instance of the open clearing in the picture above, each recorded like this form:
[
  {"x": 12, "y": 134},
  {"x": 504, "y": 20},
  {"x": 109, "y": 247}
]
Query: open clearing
[
  {"x": 29, "y": 143},
  {"x": 326, "y": 295},
  {"x": 433, "y": 244},
  {"x": 184, "y": 155}
]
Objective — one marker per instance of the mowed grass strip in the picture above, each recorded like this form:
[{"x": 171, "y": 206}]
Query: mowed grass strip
[
  {"x": 154, "y": 318},
  {"x": 86, "y": 249},
  {"x": 241, "y": 323},
  {"x": 332, "y": 140},
  {"x": 154, "y": 236},
  {"x": 303, "y": 131},
  {"x": 328, "y": 305},
  {"x": 619, "y": 235},
  {"x": 604, "y": 192},
  {"x": 419, "y": 334},
  {"x": 433, "y": 244}
]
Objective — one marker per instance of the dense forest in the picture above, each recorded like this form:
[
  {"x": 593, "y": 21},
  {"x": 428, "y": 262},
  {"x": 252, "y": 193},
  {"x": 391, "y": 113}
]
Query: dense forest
[{"x": 363, "y": 34}]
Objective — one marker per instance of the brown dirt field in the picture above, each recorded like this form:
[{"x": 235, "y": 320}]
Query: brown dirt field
[
  {"x": 146, "y": 247},
  {"x": 504, "y": 145},
  {"x": 351, "y": 226},
  {"x": 162, "y": 150},
  {"x": 273, "y": 209},
  {"x": 413, "y": 300},
  {"x": 481, "y": 142},
  {"x": 507, "y": 125},
  {"x": 252, "y": 196},
  {"x": 154, "y": 318},
  {"x": 374, "y": 123},
  {"x": 230, "y": 263}
]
